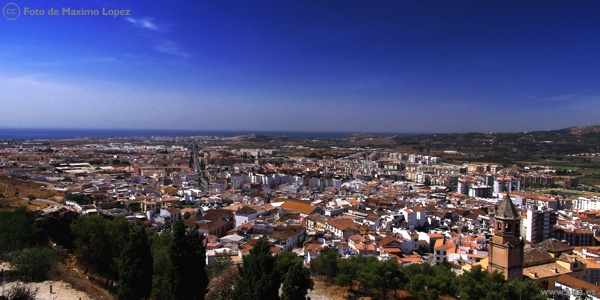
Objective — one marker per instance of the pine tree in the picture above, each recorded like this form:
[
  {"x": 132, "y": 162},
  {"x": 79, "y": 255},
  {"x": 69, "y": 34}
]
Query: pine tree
[
  {"x": 188, "y": 255},
  {"x": 296, "y": 283},
  {"x": 98, "y": 241},
  {"x": 162, "y": 266},
  {"x": 257, "y": 277},
  {"x": 326, "y": 263},
  {"x": 284, "y": 261},
  {"x": 18, "y": 230},
  {"x": 179, "y": 264},
  {"x": 34, "y": 263},
  {"x": 135, "y": 267}
]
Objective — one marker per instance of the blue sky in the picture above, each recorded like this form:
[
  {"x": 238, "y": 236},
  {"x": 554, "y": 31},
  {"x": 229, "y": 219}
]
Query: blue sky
[{"x": 356, "y": 66}]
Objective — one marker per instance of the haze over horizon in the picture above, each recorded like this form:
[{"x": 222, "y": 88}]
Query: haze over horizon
[{"x": 336, "y": 66}]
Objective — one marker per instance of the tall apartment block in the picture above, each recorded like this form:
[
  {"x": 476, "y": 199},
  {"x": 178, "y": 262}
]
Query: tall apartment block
[{"x": 538, "y": 226}]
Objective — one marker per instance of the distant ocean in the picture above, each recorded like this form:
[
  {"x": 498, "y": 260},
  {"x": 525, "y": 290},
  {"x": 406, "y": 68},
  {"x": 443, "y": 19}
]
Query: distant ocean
[{"x": 55, "y": 134}]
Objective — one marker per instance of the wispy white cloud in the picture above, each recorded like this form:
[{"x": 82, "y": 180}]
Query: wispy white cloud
[
  {"x": 170, "y": 47},
  {"x": 145, "y": 23},
  {"x": 161, "y": 44},
  {"x": 37, "y": 82}
]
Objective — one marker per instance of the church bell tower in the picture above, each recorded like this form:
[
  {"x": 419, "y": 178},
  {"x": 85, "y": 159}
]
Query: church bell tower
[{"x": 506, "y": 251}]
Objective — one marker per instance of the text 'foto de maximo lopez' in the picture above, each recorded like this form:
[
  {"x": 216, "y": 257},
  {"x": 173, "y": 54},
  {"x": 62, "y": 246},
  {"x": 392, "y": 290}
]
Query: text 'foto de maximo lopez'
[{"x": 67, "y": 11}]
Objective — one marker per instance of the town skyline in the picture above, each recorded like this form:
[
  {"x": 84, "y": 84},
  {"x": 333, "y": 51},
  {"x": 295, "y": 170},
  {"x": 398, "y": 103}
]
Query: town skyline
[
  {"x": 406, "y": 67},
  {"x": 509, "y": 204}
]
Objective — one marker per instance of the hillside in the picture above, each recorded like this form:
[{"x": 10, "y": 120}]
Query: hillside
[
  {"x": 11, "y": 187},
  {"x": 571, "y": 140},
  {"x": 564, "y": 141}
]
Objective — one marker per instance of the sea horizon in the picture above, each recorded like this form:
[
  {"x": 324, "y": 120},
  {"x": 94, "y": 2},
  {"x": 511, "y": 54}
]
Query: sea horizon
[{"x": 75, "y": 133}]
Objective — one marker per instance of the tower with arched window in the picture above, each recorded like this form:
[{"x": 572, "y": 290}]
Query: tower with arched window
[{"x": 506, "y": 251}]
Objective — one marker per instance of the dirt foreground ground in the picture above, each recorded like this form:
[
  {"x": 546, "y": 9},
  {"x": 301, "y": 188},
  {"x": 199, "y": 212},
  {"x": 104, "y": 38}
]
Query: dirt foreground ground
[{"x": 60, "y": 290}]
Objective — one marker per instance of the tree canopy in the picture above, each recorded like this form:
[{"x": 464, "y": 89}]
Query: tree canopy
[
  {"x": 34, "y": 263},
  {"x": 296, "y": 282},
  {"x": 481, "y": 284},
  {"x": 257, "y": 278},
  {"x": 326, "y": 263},
  {"x": 18, "y": 230},
  {"x": 98, "y": 241},
  {"x": 134, "y": 266},
  {"x": 179, "y": 264}
]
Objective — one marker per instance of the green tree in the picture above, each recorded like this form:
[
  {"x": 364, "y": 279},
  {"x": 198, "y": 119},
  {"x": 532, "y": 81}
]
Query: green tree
[
  {"x": 18, "y": 230},
  {"x": 118, "y": 233},
  {"x": 283, "y": 262},
  {"x": 326, "y": 263},
  {"x": 89, "y": 240},
  {"x": 349, "y": 270},
  {"x": 444, "y": 280},
  {"x": 427, "y": 282},
  {"x": 134, "y": 266},
  {"x": 297, "y": 282},
  {"x": 188, "y": 255},
  {"x": 98, "y": 241},
  {"x": 525, "y": 290},
  {"x": 374, "y": 276},
  {"x": 481, "y": 284},
  {"x": 471, "y": 286},
  {"x": 34, "y": 263},
  {"x": 162, "y": 266},
  {"x": 368, "y": 275},
  {"x": 257, "y": 277},
  {"x": 392, "y": 277},
  {"x": 179, "y": 264}
]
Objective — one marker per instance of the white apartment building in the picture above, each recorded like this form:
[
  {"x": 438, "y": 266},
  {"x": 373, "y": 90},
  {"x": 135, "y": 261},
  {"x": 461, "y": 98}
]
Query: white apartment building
[
  {"x": 583, "y": 203},
  {"x": 538, "y": 224}
]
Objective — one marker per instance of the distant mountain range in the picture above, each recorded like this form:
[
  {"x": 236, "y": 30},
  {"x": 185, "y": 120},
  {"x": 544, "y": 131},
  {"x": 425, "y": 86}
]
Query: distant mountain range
[
  {"x": 513, "y": 145},
  {"x": 571, "y": 140}
]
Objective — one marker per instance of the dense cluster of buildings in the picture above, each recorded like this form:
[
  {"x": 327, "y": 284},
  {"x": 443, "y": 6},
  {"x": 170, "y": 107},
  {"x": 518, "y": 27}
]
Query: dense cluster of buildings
[{"x": 407, "y": 207}]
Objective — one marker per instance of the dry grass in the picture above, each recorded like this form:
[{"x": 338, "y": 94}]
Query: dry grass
[
  {"x": 9, "y": 204},
  {"x": 11, "y": 187},
  {"x": 330, "y": 291},
  {"x": 402, "y": 294},
  {"x": 74, "y": 276},
  {"x": 38, "y": 205}
]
